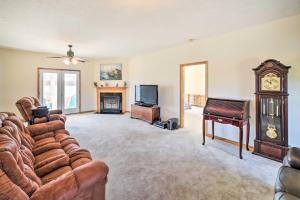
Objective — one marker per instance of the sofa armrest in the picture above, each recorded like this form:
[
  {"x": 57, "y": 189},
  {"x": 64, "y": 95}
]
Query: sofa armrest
[
  {"x": 55, "y": 112},
  {"x": 39, "y": 129},
  {"x": 83, "y": 179},
  {"x": 284, "y": 196},
  {"x": 293, "y": 157},
  {"x": 288, "y": 181}
]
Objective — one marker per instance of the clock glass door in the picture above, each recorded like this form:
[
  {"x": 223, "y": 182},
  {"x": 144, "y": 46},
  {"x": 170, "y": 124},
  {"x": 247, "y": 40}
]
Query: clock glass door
[{"x": 271, "y": 119}]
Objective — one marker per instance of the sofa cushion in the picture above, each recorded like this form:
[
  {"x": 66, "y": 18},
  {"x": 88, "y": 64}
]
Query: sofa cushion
[
  {"x": 45, "y": 135},
  {"x": 51, "y": 164},
  {"x": 40, "y": 129},
  {"x": 52, "y": 117},
  {"x": 46, "y": 147},
  {"x": 49, "y": 154},
  {"x": 43, "y": 141},
  {"x": 55, "y": 174},
  {"x": 14, "y": 167}
]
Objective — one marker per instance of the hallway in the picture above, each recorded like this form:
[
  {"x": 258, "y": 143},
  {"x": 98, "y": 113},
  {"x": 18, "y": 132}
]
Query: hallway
[{"x": 193, "y": 119}]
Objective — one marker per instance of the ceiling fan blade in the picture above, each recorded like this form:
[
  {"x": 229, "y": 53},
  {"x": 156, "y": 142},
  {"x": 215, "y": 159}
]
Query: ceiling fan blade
[
  {"x": 56, "y": 57},
  {"x": 80, "y": 60}
]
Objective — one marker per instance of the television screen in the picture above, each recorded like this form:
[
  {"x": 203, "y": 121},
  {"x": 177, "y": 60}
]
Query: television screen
[{"x": 146, "y": 94}]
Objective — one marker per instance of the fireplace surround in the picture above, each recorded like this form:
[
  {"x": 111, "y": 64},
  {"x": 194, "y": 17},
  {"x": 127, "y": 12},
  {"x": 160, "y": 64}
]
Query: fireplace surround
[
  {"x": 111, "y": 102},
  {"x": 112, "y": 90}
]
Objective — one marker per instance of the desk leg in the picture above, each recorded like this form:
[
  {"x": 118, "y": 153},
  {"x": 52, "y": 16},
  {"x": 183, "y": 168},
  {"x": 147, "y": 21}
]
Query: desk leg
[
  {"x": 203, "y": 131},
  {"x": 213, "y": 129},
  {"x": 248, "y": 135},
  {"x": 241, "y": 141}
]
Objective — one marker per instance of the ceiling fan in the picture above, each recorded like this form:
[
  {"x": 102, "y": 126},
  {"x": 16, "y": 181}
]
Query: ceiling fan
[{"x": 70, "y": 57}]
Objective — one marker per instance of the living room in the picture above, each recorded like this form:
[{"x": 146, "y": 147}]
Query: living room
[{"x": 124, "y": 46}]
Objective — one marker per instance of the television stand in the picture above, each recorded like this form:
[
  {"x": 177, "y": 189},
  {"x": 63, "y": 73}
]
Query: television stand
[
  {"x": 148, "y": 114},
  {"x": 143, "y": 104}
]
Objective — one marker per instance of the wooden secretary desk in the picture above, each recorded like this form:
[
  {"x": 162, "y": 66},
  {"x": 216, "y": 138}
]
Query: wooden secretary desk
[{"x": 228, "y": 111}]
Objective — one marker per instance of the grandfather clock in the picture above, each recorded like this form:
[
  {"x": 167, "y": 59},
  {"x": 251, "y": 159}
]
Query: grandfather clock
[{"x": 271, "y": 109}]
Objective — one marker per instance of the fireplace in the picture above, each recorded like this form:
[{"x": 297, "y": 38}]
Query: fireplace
[
  {"x": 111, "y": 91},
  {"x": 110, "y": 102}
]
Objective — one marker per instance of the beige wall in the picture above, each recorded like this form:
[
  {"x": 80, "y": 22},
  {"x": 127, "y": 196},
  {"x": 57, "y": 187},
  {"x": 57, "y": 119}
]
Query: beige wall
[
  {"x": 19, "y": 69},
  {"x": 194, "y": 79},
  {"x": 231, "y": 58},
  {"x": 18, "y": 76},
  {"x": 2, "y": 88}
]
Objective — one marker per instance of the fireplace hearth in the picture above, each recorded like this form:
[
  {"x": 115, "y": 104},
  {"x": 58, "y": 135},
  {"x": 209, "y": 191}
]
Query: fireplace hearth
[{"x": 110, "y": 103}]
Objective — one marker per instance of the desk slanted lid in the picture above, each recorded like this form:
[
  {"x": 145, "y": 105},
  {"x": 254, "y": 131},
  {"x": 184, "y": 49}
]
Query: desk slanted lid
[{"x": 230, "y": 108}]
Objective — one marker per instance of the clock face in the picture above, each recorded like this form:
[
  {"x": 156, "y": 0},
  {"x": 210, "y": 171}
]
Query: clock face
[{"x": 271, "y": 82}]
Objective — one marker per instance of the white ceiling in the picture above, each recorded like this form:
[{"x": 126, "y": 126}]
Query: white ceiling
[{"x": 122, "y": 28}]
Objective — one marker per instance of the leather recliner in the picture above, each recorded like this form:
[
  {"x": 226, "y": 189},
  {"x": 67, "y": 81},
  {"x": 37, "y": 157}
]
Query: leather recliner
[
  {"x": 25, "y": 106},
  {"x": 287, "y": 186},
  {"x": 42, "y": 162}
]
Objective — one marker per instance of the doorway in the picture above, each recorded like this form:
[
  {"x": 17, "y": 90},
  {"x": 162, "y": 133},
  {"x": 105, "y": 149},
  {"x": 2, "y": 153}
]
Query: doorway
[
  {"x": 59, "y": 89},
  {"x": 193, "y": 93}
]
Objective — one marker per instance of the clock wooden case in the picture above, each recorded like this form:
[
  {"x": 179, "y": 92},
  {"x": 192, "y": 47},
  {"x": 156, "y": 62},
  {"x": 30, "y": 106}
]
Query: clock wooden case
[{"x": 271, "y": 109}]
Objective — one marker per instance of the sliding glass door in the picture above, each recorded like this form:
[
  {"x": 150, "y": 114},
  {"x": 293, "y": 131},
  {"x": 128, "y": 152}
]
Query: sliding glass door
[{"x": 59, "y": 89}]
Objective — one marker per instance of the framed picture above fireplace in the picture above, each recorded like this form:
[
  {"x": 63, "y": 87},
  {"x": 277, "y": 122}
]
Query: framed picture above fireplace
[{"x": 110, "y": 72}]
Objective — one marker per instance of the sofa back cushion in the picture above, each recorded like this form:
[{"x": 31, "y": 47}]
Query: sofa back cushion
[
  {"x": 13, "y": 166},
  {"x": 293, "y": 157},
  {"x": 16, "y": 159},
  {"x": 9, "y": 190},
  {"x": 23, "y": 132},
  {"x": 25, "y": 106}
]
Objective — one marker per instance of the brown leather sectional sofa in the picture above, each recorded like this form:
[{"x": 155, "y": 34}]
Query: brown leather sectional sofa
[
  {"x": 43, "y": 162},
  {"x": 25, "y": 106},
  {"x": 287, "y": 186}
]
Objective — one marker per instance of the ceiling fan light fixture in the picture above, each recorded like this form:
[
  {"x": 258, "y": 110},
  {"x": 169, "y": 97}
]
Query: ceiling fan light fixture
[
  {"x": 74, "y": 61},
  {"x": 70, "y": 59},
  {"x": 67, "y": 61}
]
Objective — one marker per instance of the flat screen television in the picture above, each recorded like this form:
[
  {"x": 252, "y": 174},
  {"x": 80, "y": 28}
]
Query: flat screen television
[{"x": 146, "y": 95}]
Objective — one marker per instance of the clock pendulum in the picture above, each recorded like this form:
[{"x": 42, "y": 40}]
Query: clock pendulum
[{"x": 271, "y": 128}]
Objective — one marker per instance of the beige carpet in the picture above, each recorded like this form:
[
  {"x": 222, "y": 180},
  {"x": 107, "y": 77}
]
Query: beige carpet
[{"x": 151, "y": 163}]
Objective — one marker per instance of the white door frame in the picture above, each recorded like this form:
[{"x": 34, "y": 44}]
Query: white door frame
[{"x": 60, "y": 88}]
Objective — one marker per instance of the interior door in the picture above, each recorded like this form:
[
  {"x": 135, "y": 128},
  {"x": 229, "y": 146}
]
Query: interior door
[{"x": 59, "y": 89}]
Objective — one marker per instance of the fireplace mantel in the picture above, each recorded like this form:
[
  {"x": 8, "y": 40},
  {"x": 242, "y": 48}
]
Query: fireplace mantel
[{"x": 105, "y": 89}]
